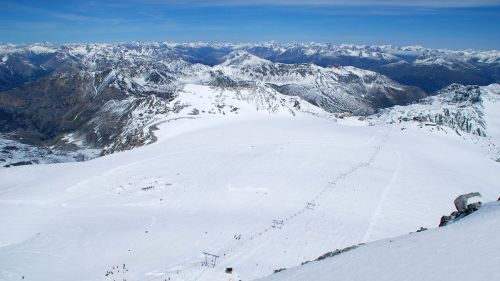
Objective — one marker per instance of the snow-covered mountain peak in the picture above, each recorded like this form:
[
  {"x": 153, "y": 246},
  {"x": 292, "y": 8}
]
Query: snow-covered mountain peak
[
  {"x": 243, "y": 58},
  {"x": 493, "y": 89}
]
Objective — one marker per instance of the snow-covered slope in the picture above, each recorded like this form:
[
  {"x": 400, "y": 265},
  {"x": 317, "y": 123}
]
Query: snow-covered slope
[
  {"x": 245, "y": 163},
  {"x": 206, "y": 181},
  {"x": 465, "y": 250}
]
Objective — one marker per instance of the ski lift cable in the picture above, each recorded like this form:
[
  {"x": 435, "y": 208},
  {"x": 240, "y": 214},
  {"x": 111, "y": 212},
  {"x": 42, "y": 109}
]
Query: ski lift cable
[{"x": 331, "y": 185}]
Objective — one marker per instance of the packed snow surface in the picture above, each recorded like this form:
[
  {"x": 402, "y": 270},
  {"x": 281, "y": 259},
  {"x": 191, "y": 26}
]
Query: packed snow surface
[
  {"x": 465, "y": 250},
  {"x": 216, "y": 184}
]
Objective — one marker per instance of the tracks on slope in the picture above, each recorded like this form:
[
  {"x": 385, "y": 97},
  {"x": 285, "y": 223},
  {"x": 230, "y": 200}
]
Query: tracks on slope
[
  {"x": 381, "y": 202},
  {"x": 225, "y": 253}
]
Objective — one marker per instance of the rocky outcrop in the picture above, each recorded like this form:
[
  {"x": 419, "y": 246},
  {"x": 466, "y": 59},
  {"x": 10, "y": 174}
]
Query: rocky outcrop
[
  {"x": 334, "y": 253},
  {"x": 464, "y": 208}
]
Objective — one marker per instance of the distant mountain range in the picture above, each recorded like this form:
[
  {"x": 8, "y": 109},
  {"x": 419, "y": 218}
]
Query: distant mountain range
[
  {"x": 108, "y": 96},
  {"x": 428, "y": 69}
]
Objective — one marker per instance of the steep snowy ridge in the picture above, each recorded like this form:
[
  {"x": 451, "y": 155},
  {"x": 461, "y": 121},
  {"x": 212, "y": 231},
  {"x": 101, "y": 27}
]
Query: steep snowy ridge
[
  {"x": 205, "y": 100},
  {"x": 243, "y": 58},
  {"x": 335, "y": 89}
]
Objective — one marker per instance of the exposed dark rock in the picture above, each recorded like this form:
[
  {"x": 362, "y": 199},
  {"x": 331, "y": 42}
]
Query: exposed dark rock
[
  {"x": 10, "y": 148},
  {"x": 22, "y": 163},
  {"x": 456, "y": 215},
  {"x": 334, "y": 253},
  {"x": 422, "y": 229}
]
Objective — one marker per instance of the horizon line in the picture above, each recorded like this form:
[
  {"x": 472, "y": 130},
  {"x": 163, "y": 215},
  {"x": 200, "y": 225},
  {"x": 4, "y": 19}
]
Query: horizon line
[{"x": 278, "y": 42}]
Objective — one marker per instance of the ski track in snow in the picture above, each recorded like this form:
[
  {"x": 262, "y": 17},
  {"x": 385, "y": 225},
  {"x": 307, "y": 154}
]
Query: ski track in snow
[
  {"x": 464, "y": 250},
  {"x": 182, "y": 269},
  {"x": 377, "y": 214},
  {"x": 230, "y": 252},
  {"x": 122, "y": 167},
  {"x": 378, "y": 159}
]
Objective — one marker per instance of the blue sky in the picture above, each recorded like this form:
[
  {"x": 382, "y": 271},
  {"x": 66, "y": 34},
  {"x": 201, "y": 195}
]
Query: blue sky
[{"x": 454, "y": 24}]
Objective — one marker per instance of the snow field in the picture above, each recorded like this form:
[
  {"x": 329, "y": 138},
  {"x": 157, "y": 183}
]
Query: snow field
[{"x": 157, "y": 208}]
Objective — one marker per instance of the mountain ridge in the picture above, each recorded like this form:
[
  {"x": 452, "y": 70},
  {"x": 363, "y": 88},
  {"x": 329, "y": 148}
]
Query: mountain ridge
[{"x": 87, "y": 80}]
